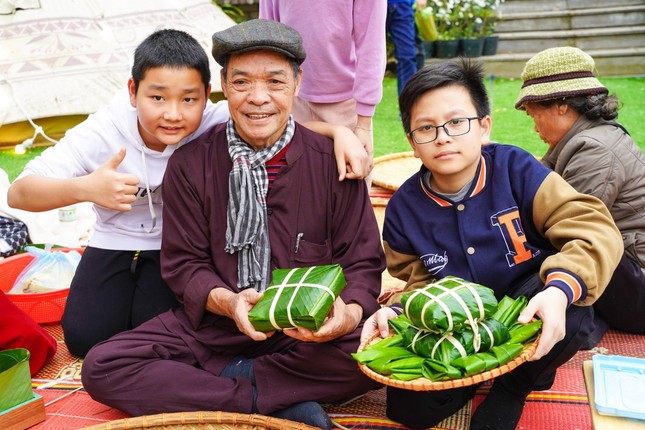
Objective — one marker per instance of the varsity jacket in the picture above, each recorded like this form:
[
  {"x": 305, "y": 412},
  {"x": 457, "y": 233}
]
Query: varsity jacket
[
  {"x": 519, "y": 218},
  {"x": 600, "y": 158}
]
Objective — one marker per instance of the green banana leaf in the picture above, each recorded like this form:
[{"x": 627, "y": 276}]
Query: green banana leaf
[
  {"x": 484, "y": 361},
  {"x": 524, "y": 333},
  {"x": 436, "y": 370},
  {"x": 408, "y": 354},
  {"x": 401, "y": 376},
  {"x": 451, "y": 304},
  {"x": 298, "y": 297},
  {"x": 395, "y": 340},
  {"x": 406, "y": 364},
  {"x": 387, "y": 364},
  {"x": 509, "y": 309},
  {"x": 390, "y": 352},
  {"x": 400, "y": 323},
  {"x": 15, "y": 379},
  {"x": 448, "y": 347}
]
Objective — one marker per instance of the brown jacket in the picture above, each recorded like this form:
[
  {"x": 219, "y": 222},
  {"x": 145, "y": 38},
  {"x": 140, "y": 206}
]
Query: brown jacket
[{"x": 599, "y": 158}]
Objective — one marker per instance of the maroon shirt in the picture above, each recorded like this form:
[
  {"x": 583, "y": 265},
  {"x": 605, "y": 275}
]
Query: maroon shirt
[{"x": 335, "y": 218}]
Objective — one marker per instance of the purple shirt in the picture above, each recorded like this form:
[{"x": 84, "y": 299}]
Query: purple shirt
[{"x": 345, "y": 45}]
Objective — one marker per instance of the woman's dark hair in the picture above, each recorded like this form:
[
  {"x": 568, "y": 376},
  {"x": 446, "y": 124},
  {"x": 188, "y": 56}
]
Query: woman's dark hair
[
  {"x": 593, "y": 107},
  {"x": 170, "y": 48},
  {"x": 462, "y": 71}
]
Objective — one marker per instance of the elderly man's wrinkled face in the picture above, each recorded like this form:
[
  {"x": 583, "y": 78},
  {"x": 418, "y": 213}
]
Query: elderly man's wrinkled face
[{"x": 260, "y": 87}]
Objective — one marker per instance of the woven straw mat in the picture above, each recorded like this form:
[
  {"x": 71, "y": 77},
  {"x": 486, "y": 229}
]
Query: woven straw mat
[{"x": 202, "y": 421}]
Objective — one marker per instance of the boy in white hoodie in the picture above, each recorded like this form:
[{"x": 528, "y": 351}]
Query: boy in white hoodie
[{"x": 116, "y": 159}]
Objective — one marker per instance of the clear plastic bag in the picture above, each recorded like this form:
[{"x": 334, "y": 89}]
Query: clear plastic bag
[{"x": 49, "y": 271}]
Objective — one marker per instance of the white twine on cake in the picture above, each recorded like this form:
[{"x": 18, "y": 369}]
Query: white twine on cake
[
  {"x": 452, "y": 292},
  {"x": 296, "y": 286}
]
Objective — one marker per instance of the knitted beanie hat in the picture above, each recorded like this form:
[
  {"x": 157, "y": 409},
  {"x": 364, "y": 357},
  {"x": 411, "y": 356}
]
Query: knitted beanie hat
[{"x": 558, "y": 72}]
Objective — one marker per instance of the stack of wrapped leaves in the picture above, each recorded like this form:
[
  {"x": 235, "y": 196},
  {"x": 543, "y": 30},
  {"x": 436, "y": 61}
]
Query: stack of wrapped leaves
[
  {"x": 300, "y": 297},
  {"x": 450, "y": 329}
]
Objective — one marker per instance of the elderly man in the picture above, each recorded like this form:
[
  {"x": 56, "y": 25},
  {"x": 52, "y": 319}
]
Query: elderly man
[{"x": 254, "y": 194}]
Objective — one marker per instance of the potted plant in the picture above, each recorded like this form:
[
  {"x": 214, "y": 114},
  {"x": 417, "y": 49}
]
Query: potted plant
[
  {"x": 465, "y": 25},
  {"x": 447, "y": 16},
  {"x": 472, "y": 44},
  {"x": 490, "y": 16}
]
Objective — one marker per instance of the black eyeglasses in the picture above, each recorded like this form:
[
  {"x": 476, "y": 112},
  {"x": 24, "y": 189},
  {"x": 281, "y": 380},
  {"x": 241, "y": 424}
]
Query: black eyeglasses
[{"x": 429, "y": 133}]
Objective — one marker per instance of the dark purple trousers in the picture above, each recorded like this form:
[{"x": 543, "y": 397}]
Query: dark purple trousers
[
  {"x": 165, "y": 366},
  {"x": 623, "y": 302}
]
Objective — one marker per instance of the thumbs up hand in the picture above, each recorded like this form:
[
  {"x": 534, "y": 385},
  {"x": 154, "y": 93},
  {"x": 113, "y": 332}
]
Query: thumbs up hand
[{"x": 111, "y": 189}]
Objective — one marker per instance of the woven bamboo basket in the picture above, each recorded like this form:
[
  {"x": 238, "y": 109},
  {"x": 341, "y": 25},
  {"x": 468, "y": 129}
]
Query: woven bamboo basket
[
  {"x": 203, "y": 420},
  {"x": 424, "y": 384},
  {"x": 390, "y": 171}
]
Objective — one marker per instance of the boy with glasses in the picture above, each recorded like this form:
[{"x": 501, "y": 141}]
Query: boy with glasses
[{"x": 491, "y": 214}]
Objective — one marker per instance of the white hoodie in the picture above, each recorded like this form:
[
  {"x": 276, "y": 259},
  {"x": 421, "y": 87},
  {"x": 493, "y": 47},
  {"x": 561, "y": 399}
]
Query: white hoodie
[{"x": 96, "y": 140}]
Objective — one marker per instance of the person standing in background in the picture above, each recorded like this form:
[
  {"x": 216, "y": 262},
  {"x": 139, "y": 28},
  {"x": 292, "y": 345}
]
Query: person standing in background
[
  {"x": 342, "y": 78},
  {"x": 401, "y": 27}
]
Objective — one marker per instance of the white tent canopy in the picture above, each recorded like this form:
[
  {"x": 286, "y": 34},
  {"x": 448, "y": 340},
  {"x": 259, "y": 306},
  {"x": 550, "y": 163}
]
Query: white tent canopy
[{"x": 68, "y": 57}]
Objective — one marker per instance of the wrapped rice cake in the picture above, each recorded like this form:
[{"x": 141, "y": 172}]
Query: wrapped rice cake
[
  {"x": 449, "y": 305},
  {"x": 413, "y": 352},
  {"x": 300, "y": 297},
  {"x": 449, "y": 346}
]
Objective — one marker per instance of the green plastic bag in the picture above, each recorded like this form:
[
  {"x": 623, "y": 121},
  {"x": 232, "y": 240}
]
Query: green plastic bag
[
  {"x": 15, "y": 379},
  {"x": 426, "y": 25}
]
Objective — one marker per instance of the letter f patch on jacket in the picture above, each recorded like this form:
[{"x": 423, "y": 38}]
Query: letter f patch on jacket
[{"x": 510, "y": 226}]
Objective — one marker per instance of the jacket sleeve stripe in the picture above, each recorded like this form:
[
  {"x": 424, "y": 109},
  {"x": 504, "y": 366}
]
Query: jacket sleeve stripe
[{"x": 572, "y": 285}]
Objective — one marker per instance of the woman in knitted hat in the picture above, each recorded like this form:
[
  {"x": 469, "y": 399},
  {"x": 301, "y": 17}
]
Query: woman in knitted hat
[{"x": 575, "y": 117}]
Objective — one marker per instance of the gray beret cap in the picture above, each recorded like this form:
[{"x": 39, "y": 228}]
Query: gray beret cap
[{"x": 257, "y": 34}]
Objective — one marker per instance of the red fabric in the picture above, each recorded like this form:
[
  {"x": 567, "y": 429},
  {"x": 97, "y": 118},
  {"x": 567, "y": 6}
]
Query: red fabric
[
  {"x": 18, "y": 330},
  {"x": 274, "y": 165}
]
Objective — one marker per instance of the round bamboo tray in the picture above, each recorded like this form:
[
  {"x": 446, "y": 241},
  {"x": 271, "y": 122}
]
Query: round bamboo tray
[
  {"x": 424, "y": 384},
  {"x": 202, "y": 420},
  {"x": 390, "y": 171}
]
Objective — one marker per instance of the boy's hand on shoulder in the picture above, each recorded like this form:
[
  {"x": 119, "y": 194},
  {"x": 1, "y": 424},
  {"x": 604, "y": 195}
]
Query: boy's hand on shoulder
[
  {"x": 352, "y": 158},
  {"x": 111, "y": 189},
  {"x": 551, "y": 306}
]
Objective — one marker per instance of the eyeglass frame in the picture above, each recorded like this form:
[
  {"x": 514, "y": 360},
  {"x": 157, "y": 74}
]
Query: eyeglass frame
[{"x": 437, "y": 127}]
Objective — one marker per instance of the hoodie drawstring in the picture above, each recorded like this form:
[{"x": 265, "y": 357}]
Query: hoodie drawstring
[{"x": 153, "y": 215}]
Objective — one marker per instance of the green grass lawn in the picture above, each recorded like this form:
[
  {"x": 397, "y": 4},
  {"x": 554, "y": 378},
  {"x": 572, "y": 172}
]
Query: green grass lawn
[{"x": 509, "y": 125}]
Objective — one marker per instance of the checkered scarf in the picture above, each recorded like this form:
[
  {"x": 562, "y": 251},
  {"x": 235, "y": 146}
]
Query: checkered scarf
[{"x": 247, "y": 231}]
